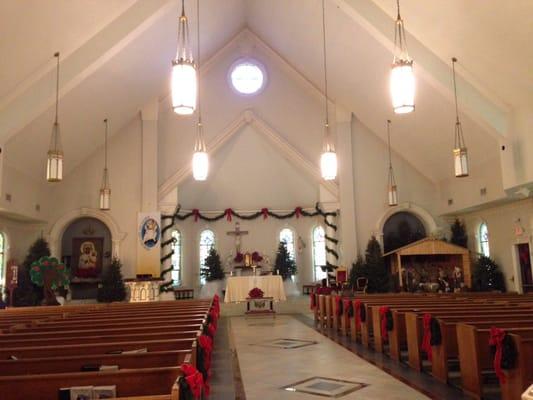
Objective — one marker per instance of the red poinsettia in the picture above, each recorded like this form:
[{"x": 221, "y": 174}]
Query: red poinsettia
[
  {"x": 256, "y": 257},
  {"x": 239, "y": 257},
  {"x": 256, "y": 293}
]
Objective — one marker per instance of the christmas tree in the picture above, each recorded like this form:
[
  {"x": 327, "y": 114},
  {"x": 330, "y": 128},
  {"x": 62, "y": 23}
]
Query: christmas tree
[
  {"x": 459, "y": 236},
  {"x": 487, "y": 275},
  {"x": 377, "y": 274},
  {"x": 112, "y": 287},
  {"x": 27, "y": 293},
  {"x": 359, "y": 270},
  {"x": 212, "y": 270},
  {"x": 284, "y": 265}
]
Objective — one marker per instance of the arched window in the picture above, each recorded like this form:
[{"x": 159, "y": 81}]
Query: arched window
[
  {"x": 484, "y": 239},
  {"x": 207, "y": 241},
  {"x": 319, "y": 253},
  {"x": 287, "y": 235},
  {"x": 401, "y": 229},
  {"x": 176, "y": 258}
]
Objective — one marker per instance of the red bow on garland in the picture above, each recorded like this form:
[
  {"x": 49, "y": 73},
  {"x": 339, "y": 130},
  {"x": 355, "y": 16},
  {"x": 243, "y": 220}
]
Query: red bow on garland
[
  {"x": 264, "y": 211},
  {"x": 383, "y": 313},
  {"x": 229, "y": 213},
  {"x": 496, "y": 339},
  {"x": 298, "y": 212},
  {"x": 196, "y": 214},
  {"x": 194, "y": 379},
  {"x": 426, "y": 341}
]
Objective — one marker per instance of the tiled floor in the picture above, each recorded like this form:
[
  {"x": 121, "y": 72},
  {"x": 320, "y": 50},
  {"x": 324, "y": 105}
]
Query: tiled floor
[{"x": 267, "y": 371}]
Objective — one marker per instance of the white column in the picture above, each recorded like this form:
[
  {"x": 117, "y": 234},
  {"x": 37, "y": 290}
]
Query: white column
[
  {"x": 148, "y": 258},
  {"x": 347, "y": 225}
]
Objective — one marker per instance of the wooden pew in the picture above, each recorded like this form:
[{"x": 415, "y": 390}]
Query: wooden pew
[
  {"x": 475, "y": 355},
  {"x": 519, "y": 378}
]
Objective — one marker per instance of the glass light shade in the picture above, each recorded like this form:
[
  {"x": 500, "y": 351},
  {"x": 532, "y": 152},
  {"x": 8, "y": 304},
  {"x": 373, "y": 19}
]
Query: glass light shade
[
  {"x": 54, "y": 166},
  {"x": 460, "y": 161},
  {"x": 200, "y": 165},
  {"x": 105, "y": 199},
  {"x": 184, "y": 87},
  {"x": 393, "y": 195},
  {"x": 402, "y": 87},
  {"x": 328, "y": 165}
]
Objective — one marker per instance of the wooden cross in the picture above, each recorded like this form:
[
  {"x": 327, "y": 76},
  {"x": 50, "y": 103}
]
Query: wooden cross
[{"x": 237, "y": 233}]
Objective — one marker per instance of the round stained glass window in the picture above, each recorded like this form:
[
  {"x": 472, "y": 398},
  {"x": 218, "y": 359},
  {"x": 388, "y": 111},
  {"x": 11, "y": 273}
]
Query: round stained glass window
[{"x": 247, "y": 77}]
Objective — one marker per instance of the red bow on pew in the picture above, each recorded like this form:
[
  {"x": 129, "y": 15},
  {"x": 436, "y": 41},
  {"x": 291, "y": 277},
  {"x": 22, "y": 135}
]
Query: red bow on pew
[
  {"x": 496, "y": 339},
  {"x": 358, "y": 314},
  {"x": 383, "y": 313},
  {"x": 313, "y": 301},
  {"x": 426, "y": 341},
  {"x": 346, "y": 309},
  {"x": 206, "y": 343},
  {"x": 337, "y": 306},
  {"x": 211, "y": 329},
  {"x": 194, "y": 379}
]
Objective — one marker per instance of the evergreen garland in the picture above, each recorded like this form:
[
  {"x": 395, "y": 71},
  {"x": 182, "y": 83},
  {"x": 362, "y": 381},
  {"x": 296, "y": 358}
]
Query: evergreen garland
[
  {"x": 112, "y": 287},
  {"x": 284, "y": 265},
  {"x": 487, "y": 275},
  {"x": 459, "y": 236},
  {"x": 213, "y": 267}
]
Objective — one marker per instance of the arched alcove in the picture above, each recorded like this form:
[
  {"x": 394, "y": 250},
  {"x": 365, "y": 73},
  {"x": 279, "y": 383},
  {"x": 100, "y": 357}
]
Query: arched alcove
[{"x": 402, "y": 228}]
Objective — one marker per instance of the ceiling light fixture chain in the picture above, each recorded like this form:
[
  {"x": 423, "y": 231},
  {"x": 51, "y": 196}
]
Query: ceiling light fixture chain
[
  {"x": 105, "y": 189},
  {"x": 328, "y": 159},
  {"x": 460, "y": 152},
  {"x": 459, "y": 138},
  {"x": 392, "y": 189},
  {"x": 54, "y": 161}
]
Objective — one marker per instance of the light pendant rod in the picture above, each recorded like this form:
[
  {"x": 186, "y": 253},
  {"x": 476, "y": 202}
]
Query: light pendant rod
[
  {"x": 328, "y": 159},
  {"x": 56, "y": 55},
  {"x": 105, "y": 190},
  {"x": 392, "y": 189},
  {"x": 460, "y": 152},
  {"x": 105, "y": 145},
  {"x": 54, "y": 163},
  {"x": 200, "y": 158}
]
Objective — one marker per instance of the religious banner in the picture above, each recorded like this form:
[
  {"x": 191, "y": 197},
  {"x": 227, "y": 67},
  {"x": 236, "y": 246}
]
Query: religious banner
[{"x": 149, "y": 244}]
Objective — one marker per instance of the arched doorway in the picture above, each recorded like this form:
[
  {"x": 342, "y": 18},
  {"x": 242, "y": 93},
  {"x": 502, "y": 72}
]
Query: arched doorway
[
  {"x": 86, "y": 249},
  {"x": 401, "y": 229}
]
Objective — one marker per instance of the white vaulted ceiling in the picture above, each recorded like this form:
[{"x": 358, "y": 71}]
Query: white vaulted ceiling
[{"x": 118, "y": 53}]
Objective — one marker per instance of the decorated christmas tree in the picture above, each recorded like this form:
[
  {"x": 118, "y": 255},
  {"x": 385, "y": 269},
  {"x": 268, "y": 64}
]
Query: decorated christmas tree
[
  {"x": 212, "y": 270},
  {"x": 49, "y": 274},
  {"x": 359, "y": 270},
  {"x": 27, "y": 293},
  {"x": 284, "y": 265},
  {"x": 459, "y": 236},
  {"x": 487, "y": 275},
  {"x": 377, "y": 274},
  {"x": 112, "y": 287}
]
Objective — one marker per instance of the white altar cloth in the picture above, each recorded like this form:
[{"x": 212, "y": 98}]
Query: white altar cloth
[{"x": 238, "y": 287}]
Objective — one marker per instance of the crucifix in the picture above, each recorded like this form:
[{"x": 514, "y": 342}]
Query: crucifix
[{"x": 237, "y": 233}]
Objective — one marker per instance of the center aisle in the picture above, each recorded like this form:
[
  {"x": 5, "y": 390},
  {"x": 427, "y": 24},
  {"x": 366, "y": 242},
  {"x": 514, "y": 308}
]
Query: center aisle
[{"x": 284, "y": 352}]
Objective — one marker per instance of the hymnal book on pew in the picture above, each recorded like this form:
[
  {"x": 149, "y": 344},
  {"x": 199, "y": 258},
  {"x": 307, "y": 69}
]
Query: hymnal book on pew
[
  {"x": 135, "y": 351},
  {"x": 88, "y": 392},
  {"x": 108, "y": 368}
]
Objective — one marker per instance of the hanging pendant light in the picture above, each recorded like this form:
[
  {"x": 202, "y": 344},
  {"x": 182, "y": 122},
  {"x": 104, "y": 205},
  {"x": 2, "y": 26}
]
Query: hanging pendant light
[
  {"x": 460, "y": 152},
  {"x": 392, "y": 189},
  {"x": 184, "y": 74},
  {"x": 402, "y": 79},
  {"x": 54, "y": 164},
  {"x": 200, "y": 158},
  {"x": 105, "y": 189},
  {"x": 328, "y": 159}
]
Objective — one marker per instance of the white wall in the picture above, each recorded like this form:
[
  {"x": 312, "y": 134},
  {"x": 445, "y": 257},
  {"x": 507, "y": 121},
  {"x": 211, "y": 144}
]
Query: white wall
[
  {"x": 370, "y": 163},
  {"x": 501, "y": 222}
]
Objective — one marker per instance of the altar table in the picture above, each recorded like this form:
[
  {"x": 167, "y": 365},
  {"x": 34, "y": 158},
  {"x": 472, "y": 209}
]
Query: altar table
[{"x": 238, "y": 287}]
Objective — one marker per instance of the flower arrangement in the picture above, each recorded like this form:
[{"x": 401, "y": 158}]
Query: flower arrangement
[
  {"x": 256, "y": 257},
  {"x": 239, "y": 257},
  {"x": 256, "y": 293}
]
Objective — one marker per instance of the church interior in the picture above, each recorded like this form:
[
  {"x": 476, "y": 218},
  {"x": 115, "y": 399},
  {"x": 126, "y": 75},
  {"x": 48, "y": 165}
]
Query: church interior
[{"x": 254, "y": 199}]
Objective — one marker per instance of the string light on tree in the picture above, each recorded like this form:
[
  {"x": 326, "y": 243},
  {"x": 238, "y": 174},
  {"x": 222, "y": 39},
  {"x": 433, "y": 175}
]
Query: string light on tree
[
  {"x": 328, "y": 159},
  {"x": 460, "y": 152},
  {"x": 402, "y": 79},
  {"x": 200, "y": 158},
  {"x": 54, "y": 163},
  {"x": 184, "y": 74}
]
